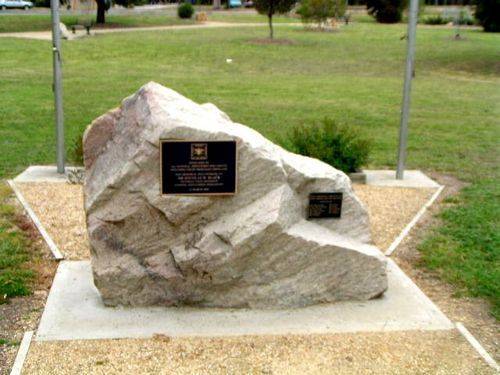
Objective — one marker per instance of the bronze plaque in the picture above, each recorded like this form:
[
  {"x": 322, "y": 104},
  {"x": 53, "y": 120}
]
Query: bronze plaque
[
  {"x": 198, "y": 168},
  {"x": 325, "y": 205}
]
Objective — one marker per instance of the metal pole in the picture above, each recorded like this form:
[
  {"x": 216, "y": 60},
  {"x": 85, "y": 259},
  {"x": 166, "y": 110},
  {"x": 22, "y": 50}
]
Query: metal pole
[
  {"x": 405, "y": 108},
  {"x": 57, "y": 84}
]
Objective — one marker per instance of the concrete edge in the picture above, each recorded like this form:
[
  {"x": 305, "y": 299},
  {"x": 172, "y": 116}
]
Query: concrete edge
[
  {"x": 392, "y": 247},
  {"x": 52, "y": 246},
  {"x": 414, "y": 178},
  {"x": 424, "y": 296},
  {"x": 185, "y": 321},
  {"x": 22, "y": 353},
  {"x": 46, "y": 173},
  {"x": 477, "y": 346}
]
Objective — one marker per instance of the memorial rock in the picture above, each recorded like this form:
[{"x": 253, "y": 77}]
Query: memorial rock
[{"x": 256, "y": 245}]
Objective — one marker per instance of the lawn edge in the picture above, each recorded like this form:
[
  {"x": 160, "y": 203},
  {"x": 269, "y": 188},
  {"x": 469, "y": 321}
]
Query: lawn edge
[
  {"x": 52, "y": 246},
  {"x": 22, "y": 353},
  {"x": 393, "y": 246},
  {"x": 477, "y": 346}
]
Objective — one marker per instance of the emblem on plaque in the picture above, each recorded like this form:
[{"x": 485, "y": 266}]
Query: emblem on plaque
[{"x": 199, "y": 151}]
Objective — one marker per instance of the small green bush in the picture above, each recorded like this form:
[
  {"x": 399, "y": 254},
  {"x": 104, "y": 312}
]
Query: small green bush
[
  {"x": 76, "y": 150},
  {"x": 436, "y": 20},
  {"x": 340, "y": 146},
  {"x": 185, "y": 10},
  {"x": 462, "y": 17}
]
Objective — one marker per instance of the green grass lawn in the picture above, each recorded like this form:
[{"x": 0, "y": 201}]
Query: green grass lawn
[
  {"x": 353, "y": 76},
  {"x": 42, "y": 22},
  {"x": 465, "y": 249},
  {"x": 15, "y": 275}
]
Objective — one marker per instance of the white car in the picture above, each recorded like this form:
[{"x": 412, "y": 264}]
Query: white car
[{"x": 4, "y": 4}]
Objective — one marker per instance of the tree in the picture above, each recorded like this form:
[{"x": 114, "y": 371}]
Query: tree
[
  {"x": 272, "y": 7},
  {"x": 488, "y": 14},
  {"x": 319, "y": 11},
  {"x": 386, "y": 11},
  {"x": 104, "y": 5}
]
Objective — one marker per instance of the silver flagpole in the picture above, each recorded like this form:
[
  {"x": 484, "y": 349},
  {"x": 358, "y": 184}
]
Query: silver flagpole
[
  {"x": 57, "y": 84},
  {"x": 405, "y": 110}
]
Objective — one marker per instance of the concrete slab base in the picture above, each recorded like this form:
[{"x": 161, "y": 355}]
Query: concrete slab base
[
  {"x": 74, "y": 311},
  {"x": 43, "y": 173},
  {"x": 414, "y": 179}
]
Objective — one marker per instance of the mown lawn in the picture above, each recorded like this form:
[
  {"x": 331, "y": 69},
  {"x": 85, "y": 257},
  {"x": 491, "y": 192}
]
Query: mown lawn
[
  {"x": 42, "y": 22},
  {"x": 353, "y": 76},
  {"x": 15, "y": 274},
  {"x": 465, "y": 249}
]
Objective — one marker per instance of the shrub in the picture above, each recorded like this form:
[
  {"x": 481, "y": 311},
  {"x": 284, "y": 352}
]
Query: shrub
[
  {"x": 461, "y": 18},
  {"x": 488, "y": 14},
  {"x": 76, "y": 151},
  {"x": 319, "y": 11},
  {"x": 386, "y": 11},
  {"x": 185, "y": 10},
  {"x": 436, "y": 20},
  {"x": 340, "y": 146}
]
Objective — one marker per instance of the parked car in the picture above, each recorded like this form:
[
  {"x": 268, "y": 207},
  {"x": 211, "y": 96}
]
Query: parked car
[
  {"x": 4, "y": 4},
  {"x": 234, "y": 3},
  {"x": 248, "y": 4}
]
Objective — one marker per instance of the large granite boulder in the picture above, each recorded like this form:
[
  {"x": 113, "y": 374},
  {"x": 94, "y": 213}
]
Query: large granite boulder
[{"x": 252, "y": 249}]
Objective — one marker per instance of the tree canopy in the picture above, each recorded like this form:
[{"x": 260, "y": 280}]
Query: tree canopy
[
  {"x": 386, "y": 11},
  {"x": 488, "y": 14}
]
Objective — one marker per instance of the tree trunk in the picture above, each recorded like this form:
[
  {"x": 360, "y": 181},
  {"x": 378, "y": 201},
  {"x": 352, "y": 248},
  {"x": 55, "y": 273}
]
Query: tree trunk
[
  {"x": 271, "y": 31},
  {"x": 101, "y": 11}
]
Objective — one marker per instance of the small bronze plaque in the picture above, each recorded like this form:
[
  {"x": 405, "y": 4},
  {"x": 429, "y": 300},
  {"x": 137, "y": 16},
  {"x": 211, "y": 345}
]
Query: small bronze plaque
[
  {"x": 325, "y": 205},
  {"x": 198, "y": 168}
]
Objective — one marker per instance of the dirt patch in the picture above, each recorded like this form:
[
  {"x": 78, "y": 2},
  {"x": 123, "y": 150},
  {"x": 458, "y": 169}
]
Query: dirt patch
[
  {"x": 22, "y": 314},
  {"x": 431, "y": 352},
  {"x": 472, "y": 312},
  {"x": 264, "y": 41}
]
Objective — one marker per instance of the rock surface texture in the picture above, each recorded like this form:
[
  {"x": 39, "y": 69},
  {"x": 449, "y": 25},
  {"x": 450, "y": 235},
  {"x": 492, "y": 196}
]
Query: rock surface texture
[{"x": 254, "y": 249}]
